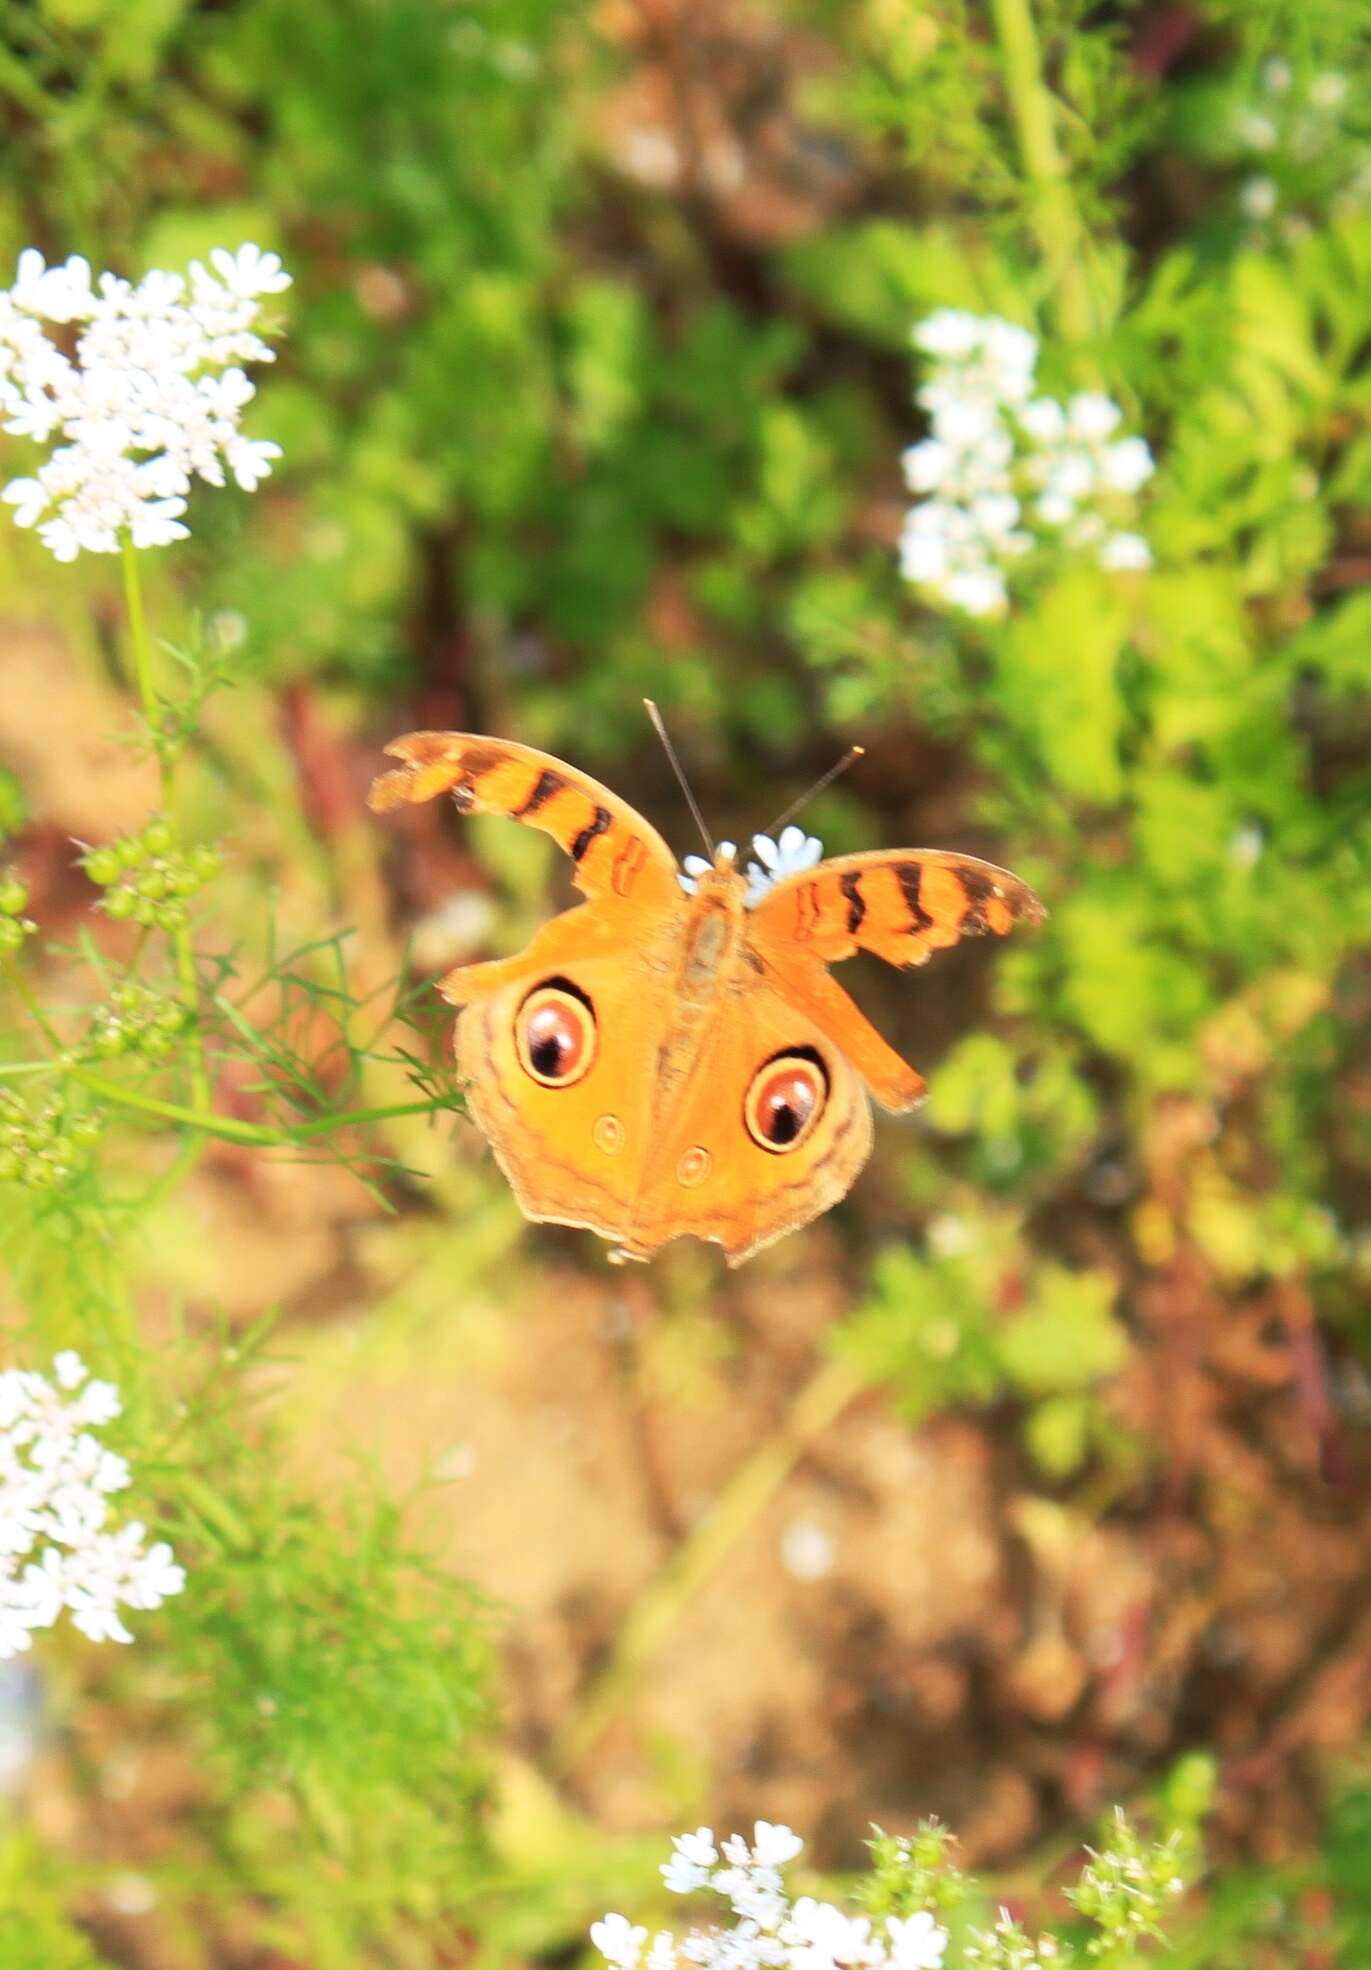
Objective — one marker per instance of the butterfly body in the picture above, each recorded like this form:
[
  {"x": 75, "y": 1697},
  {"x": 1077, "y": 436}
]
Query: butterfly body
[{"x": 672, "y": 1057}]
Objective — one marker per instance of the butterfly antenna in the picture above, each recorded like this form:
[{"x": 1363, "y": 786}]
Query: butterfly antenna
[
  {"x": 670, "y": 751},
  {"x": 849, "y": 758}
]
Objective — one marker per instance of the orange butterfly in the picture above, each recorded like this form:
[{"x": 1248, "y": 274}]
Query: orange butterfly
[{"x": 672, "y": 1056}]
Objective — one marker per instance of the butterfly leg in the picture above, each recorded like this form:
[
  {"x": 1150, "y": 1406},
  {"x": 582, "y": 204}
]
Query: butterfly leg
[{"x": 811, "y": 990}]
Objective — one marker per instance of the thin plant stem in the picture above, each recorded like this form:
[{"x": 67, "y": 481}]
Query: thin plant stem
[
  {"x": 818, "y": 1404},
  {"x": 40, "y": 1019},
  {"x": 1056, "y": 218},
  {"x": 259, "y": 1134},
  {"x": 147, "y": 694}
]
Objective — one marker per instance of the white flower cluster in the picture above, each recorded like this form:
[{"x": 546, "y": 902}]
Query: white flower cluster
[
  {"x": 790, "y": 855},
  {"x": 152, "y": 399},
  {"x": 56, "y": 1478},
  {"x": 769, "y": 1931},
  {"x": 1004, "y": 470},
  {"x": 1298, "y": 124}
]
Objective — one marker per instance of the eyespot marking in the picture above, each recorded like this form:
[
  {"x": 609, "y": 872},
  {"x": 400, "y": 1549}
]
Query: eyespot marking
[
  {"x": 555, "y": 1034},
  {"x": 694, "y": 1167},
  {"x": 608, "y": 1134},
  {"x": 788, "y": 1095}
]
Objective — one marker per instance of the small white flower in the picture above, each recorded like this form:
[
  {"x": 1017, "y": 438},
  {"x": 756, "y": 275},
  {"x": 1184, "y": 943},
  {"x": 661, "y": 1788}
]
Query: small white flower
[
  {"x": 1257, "y": 131},
  {"x": 951, "y": 333},
  {"x": 249, "y": 271},
  {"x": 1258, "y": 197},
  {"x": 692, "y": 868},
  {"x": 1014, "y": 352},
  {"x": 923, "y": 546},
  {"x": 822, "y": 1937},
  {"x": 1044, "y": 419},
  {"x": 1246, "y": 847},
  {"x": 688, "y": 1869},
  {"x": 250, "y": 460},
  {"x": 1328, "y": 91},
  {"x": 60, "y": 294},
  {"x": 98, "y": 1404},
  {"x": 39, "y": 1595},
  {"x": 69, "y": 1369},
  {"x": 96, "y": 1616},
  {"x": 156, "y": 524},
  {"x": 619, "y": 1941},
  {"x": 774, "y": 1845},
  {"x": 996, "y": 516},
  {"x": 1276, "y": 75},
  {"x": 790, "y": 856},
  {"x": 927, "y": 465},
  {"x": 980, "y": 591},
  {"x": 949, "y": 1237},
  {"x": 1126, "y": 466},
  {"x": 1128, "y": 551},
  {"x": 807, "y": 1550},
  {"x": 1069, "y": 473},
  {"x": 27, "y": 498},
  {"x": 1091, "y": 415},
  {"x": 1055, "y": 509},
  {"x": 155, "y": 1578},
  {"x": 916, "y": 1942},
  {"x": 682, "y": 1877},
  {"x": 961, "y": 422}
]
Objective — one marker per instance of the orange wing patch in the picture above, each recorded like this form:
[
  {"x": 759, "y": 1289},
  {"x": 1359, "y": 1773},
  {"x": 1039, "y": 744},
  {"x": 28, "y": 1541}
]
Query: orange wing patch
[
  {"x": 615, "y": 850},
  {"x": 902, "y": 905}
]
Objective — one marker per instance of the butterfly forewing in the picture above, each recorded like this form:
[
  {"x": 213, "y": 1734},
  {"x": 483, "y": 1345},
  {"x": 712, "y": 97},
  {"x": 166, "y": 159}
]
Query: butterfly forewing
[
  {"x": 901, "y": 904},
  {"x": 616, "y": 852}
]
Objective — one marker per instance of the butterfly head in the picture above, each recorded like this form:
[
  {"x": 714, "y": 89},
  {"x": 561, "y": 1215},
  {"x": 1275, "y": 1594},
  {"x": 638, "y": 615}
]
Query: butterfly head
[
  {"x": 718, "y": 877},
  {"x": 790, "y": 854}
]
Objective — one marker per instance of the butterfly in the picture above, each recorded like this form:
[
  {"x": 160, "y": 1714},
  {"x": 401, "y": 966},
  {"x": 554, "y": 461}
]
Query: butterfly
[{"x": 672, "y": 1057}]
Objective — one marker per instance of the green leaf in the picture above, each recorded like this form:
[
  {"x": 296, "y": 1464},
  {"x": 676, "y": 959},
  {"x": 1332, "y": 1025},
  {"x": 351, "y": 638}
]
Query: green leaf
[
  {"x": 1056, "y": 1432},
  {"x": 1067, "y": 1337},
  {"x": 1059, "y": 679}
]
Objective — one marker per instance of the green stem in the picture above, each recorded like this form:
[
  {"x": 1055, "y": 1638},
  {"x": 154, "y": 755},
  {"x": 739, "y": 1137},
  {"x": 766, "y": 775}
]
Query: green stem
[
  {"x": 820, "y": 1402},
  {"x": 1056, "y": 219},
  {"x": 40, "y": 1019},
  {"x": 147, "y": 693},
  {"x": 258, "y": 1134}
]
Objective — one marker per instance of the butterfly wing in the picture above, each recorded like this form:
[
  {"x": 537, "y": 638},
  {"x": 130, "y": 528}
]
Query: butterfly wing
[
  {"x": 707, "y": 1174},
  {"x": 574, "y": 1154},
  {"x": 902, "y": 905},
  {"x": 616, "y": 852},
  {"x": 639, "y": 1153}
]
